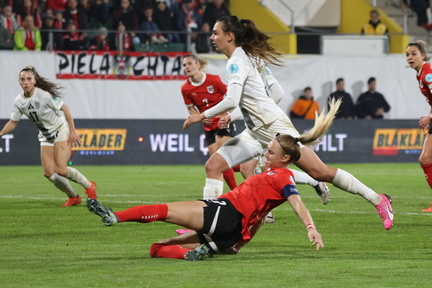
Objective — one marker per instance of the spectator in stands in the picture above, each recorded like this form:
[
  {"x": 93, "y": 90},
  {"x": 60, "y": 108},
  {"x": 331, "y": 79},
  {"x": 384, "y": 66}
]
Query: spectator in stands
[
  {"x": 305, "y": 107},
  {"x": 346, "y": 109},
  {"x": 8, "y": 21},
  {"x": 100, "y": 41},
  {"x": 6, "y": 39},
  {"x": 28, "y": 37},
  {"x": 56, "y": 5},
  {"x": 99, "y": 12},
  {"x": 29, "y": 7},
  {"x": 56, "y": 43},
  {"x": 188, "y": 20},
  {"x": 86, "y": 5},
  {"x": 213, "y": 11},
  {"x": 78, "y": 15},
  {"x": 374, "y": 26},
  {"x": 420, "y": 8},
  {"x": 126, "y": 14},
  {"x": 198, "y": 5},
  {"x": 151, "y": 30},
  {"x": 164, "y": 19},
  {"x": 123, "y": 40},
  {"x": 371, "y": 104},
  {"x": 72, "y": 40},
  {"x": 59, "y": 21}
]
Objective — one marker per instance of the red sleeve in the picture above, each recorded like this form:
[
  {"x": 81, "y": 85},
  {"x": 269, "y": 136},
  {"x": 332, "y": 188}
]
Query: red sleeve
[{"x": 186, "y": 96}]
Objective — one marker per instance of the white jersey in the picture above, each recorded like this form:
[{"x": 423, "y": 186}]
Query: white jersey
[
  {"x": 42, "y": 109},
  {"x": 257, "y": 107}
]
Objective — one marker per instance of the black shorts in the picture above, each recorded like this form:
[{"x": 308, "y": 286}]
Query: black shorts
[
  {"x": 210, "y": 136},
  {"x": 430, "y": 129},
  {"x": 222, "y": 225}
]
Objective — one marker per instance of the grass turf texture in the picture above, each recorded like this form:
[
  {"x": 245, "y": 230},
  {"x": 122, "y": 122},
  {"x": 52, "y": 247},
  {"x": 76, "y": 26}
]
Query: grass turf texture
[{"x": 44, "y": 245}]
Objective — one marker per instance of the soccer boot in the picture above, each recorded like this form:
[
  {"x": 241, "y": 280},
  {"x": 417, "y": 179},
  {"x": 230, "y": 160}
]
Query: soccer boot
[
  {"x": 385, "y": 211},
  {"x": 199, "y": 253},
  {"x": 270, "y": 218},
  {"x": 107, "y": 215},
  {"x": 74, "y": 201},
  {"x": 428, "y": 209},
  {"x": 323, "y": 191},
  {"x": 182, "y": 231},
  {"x": 91, "y": 191}
]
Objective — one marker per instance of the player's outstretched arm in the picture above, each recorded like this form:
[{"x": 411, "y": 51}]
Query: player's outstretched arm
[
  {"x": 304, "y": 215},
  {"x": 9, "y": 127}
]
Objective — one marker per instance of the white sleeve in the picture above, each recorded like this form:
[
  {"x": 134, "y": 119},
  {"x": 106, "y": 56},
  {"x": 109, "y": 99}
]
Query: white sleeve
[
  {"x": 236, "y": 114},
  {"x": 272, "y": 85},
  {"x": 276, "y": 92},
  {"x": 230, "y": 102},
  {"x": 16, "y": 113}
]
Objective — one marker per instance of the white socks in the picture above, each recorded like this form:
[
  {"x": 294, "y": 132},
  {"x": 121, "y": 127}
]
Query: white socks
[
  {"x": 349, "y": 183},
  {"x": 213, "y": 188},
  {"x": 62, "y": 184},
  {"x": 75, "y": 176},
  {"x": 303, "y": 178}
]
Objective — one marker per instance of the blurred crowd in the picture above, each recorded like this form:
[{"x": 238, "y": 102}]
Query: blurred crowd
[{"x": 107, "y": 24}]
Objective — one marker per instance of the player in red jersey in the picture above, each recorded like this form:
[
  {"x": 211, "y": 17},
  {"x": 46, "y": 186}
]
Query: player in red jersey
[
  {"x": 225, "y": 224},
  {"x": 203, "y": 91},
  {"x": 417, "y": 59}
]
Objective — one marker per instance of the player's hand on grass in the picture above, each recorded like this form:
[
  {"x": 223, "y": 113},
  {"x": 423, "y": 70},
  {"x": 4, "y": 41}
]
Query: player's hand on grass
[{"x": 315, "y": 238}]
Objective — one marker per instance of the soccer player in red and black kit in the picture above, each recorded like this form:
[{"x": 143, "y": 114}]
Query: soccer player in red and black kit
[
  {"x": 226, "y": 224},
  {"x": 417, "y": 59},
  {"x": 203, "y": 91}
]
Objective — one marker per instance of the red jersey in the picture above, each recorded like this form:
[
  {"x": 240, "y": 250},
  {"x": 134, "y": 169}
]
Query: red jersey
[
  {"x": 259, "y": 194},
  {"x": 204, "y": 95},
  {"x": 424, "y": 77}
]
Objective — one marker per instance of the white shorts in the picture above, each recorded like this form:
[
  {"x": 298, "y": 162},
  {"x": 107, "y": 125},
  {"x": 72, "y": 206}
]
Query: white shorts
[
  {"x": 250, "y": 144},
  {"x": 61, "y": 134}
]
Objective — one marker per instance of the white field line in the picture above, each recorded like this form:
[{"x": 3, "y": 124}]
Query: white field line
[{"x": 154, "y": 202}]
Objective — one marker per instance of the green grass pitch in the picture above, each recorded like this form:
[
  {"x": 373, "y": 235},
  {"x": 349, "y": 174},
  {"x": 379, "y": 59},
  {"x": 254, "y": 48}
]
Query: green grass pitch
[{"x": 44, "y": 245}]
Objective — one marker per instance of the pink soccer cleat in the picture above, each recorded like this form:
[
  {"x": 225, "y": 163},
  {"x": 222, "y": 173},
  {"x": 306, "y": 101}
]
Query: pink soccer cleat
[
  {"x": 384, "y": 210},
  {"x": 182, "y": 231}
]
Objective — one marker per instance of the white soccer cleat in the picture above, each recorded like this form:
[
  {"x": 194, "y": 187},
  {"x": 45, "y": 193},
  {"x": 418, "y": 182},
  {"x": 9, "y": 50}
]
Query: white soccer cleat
[{"x": 323, "y": 191}]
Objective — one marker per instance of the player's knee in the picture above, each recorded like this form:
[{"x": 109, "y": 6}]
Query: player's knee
[
  {"x": 425, "y": 159},
  {"x": 61, "y": 171}
]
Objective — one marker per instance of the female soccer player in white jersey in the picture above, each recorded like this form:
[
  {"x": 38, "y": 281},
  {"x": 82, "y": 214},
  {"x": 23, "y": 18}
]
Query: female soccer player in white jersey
[
  {"x": 243, "y": 44},
  {"x": 202, "y": 91},
  {"x": 40, "y": 102}
]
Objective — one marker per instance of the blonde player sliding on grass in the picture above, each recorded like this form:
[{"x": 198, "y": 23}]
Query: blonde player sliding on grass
[
  {"x": 417, "y": 59},
  {"x": 246, "y": 46},
  {"x": 40, "y": 102},
  {"x": 227, "y": 223}
]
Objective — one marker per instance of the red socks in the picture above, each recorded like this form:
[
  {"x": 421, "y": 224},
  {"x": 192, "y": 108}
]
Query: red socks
[
  {"x": 236, "y": 168},
  {"x": 428, "y": 173},
  {"x": 144, "y": 213},
  {"x": 230, "y": 178},
  {"x": 161, "y": 250}
]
